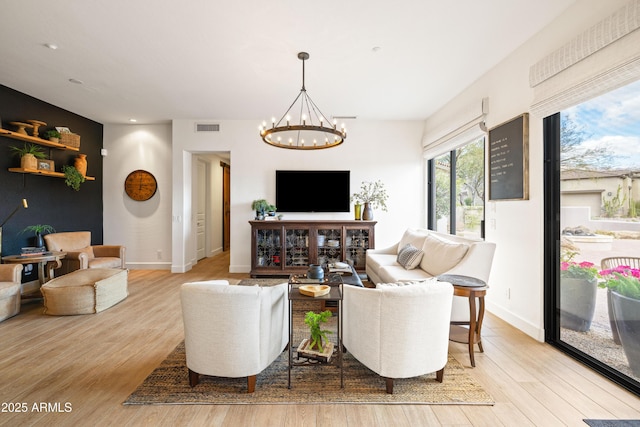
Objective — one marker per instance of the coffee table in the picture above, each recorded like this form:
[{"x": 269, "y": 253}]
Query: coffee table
[{"x": 334, "y": 281}]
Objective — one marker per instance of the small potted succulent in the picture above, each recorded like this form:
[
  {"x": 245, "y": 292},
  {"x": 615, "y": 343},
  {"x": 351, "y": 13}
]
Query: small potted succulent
[{"x": 52, "y": 135}]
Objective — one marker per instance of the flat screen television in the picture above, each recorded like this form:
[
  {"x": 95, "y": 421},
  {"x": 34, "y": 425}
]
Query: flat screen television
[{"x": 312, "y": 191}]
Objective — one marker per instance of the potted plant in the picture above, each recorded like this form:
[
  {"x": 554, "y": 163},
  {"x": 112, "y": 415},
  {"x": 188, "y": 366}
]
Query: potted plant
[
  {"x": 623, "y": 287},
  {"x": 261, "y": 206},
  {"x": 39, "y": 230},
  {"x": 578, "y": 290},
  {"x": 313, "y": 320},
  {"x": 72, "y": 177},
  {"x": 52, "y": 135},
  {"x": 372, "y": 195},
  {"x": 29, "y": 153}
]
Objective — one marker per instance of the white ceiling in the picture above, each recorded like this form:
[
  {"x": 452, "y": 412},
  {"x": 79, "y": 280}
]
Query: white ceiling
[{"x": 157, "y": 60}]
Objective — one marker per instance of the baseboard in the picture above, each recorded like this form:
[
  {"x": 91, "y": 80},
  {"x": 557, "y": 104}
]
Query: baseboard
[
  {"x": 148, "y": 265},
  {"x": 516, "y": 321},
  {"x": 239, "y": 268}
]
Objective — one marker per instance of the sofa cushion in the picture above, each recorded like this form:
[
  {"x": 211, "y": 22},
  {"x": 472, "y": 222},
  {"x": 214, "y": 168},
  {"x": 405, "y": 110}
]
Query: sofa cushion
[
  {"x": 441, "y": 255},
  {"x": 412, "y": 237},
  {"x": 376, "y": 261},
  {"x": 409, "y": 257},
  {"x": 396, "y": 272},
  {"x": 405, "y": 283}
]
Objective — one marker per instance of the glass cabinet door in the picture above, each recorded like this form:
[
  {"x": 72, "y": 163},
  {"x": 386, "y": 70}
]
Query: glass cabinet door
[
  {"x": 268, "y": 248},
  {"x": 356, "y": 245},
  {"x": 329, "y": 245},
  {"x": 297, "y": 247}
]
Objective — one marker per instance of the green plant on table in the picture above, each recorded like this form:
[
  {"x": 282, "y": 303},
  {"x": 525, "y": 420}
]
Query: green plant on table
[
  {"x": 39, "y": 229},
  {"x": 72, "y": 177},
  {"x": 33, "y": 149},
  {"x": 313, "y": 320}
]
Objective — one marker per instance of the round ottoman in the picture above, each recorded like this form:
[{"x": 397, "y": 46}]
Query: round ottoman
[{"x": 85, "y": 291}]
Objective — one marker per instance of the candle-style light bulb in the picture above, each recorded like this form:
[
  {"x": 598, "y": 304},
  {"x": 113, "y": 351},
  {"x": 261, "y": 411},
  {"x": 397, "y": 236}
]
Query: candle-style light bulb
[{"x": 304, "y": 119}]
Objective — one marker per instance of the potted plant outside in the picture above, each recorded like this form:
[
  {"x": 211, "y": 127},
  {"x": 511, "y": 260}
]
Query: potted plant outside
[
  {"x": 39, "y": 230},
  {"x": 28, "y": 153},
  {"x": 372, "y": 195},
  {"x": 72, "y": 177},
  {"x": 623, "y": 286},
  {"x": 578, "y": 290},
  {"x": 317, "y": 334}
]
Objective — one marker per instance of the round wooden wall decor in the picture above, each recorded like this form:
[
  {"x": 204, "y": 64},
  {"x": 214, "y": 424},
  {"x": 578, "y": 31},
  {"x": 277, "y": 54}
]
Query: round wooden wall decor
[{"x": 140, "y": 185}]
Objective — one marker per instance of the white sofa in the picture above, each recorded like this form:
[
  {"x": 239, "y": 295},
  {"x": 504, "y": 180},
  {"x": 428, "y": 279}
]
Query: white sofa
[
  {"x": 233, "y": 331},
  {"x": 399, "y": 331},
  {"x": 441, "y": 254}
]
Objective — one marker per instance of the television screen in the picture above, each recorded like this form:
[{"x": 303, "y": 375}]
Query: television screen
[{"x": 312, "y": 191}]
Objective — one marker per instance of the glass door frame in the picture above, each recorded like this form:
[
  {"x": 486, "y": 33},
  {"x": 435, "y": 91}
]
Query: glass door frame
[{"x": 551, "y": 274}]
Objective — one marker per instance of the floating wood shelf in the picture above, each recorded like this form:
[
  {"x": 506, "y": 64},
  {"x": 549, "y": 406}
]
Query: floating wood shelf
[
  {"x": 45, "y": 173},
  {"x": 36, "y": 140}
]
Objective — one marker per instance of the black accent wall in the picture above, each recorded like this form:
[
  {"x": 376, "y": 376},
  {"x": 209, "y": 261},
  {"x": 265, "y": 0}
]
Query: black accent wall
[{"x": 50, "y": 200}]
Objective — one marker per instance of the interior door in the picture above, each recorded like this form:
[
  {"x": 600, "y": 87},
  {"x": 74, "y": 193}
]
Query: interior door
[
  {"x": 201, "y": 211},
  {"x": 226, "y": 205}
]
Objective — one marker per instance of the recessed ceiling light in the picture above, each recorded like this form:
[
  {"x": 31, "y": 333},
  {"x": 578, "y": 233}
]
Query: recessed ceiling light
[
  {"x": 51, "y": 46},
  {"x": 76, "y": 81},
  {"x": 133, "y": 120},
  {"x": 376, "y": 49}
]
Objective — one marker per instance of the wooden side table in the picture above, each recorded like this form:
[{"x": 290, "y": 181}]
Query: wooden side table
[
  {"x": 46, "y": 263},
  {"x": 471, "y": 288}
]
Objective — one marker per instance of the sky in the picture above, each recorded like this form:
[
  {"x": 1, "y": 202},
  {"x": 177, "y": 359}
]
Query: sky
[{"x": 612, "y": 120}]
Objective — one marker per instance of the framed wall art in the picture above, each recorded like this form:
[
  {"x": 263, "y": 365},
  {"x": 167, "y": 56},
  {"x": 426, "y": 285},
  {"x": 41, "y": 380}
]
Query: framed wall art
[{"x": 509, "y": 160}]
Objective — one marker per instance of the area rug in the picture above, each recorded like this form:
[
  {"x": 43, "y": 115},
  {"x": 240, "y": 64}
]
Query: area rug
[{"x": 168, "y": 384}]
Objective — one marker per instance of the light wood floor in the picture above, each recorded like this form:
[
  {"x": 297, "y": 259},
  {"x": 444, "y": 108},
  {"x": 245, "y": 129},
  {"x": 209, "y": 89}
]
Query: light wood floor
[{"x": 93, "y": 362}]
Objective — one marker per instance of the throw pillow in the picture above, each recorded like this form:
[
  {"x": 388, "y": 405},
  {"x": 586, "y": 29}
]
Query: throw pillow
[
  {"x": 409, "y": 257},
  {"x": 413, "y": 237},
  {"x": 441, "y": 255}
]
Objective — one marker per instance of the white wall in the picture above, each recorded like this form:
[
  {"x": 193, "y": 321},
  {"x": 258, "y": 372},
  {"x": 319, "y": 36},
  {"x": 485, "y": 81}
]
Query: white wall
[
  {"x": 389, "y": 151},
  {"x": 516, "y": 292},
  {"x": 143, "y": 227}
]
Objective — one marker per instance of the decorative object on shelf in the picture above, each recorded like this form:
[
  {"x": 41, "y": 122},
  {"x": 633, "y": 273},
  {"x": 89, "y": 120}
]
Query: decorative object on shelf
[
  {"x": 140, "y": 185},
  {"x": 68, "y": 138},
  {"x": 313, "y": 321},
  {"x": 372, "y": 195},
  {"x": 314, "y": 290},
  {"x": 72, "y": 177},
  {"x": 315, "y": 272},
  {"x": 39, "y": 230},
  {"x": 21, "y": 127},
  {"x": 46, "y": 165},
  {"x": 24, "y": 205},
  {"x": 303, "y": 132},
  {"x": 357, "y": 210},
  {"x": 52, "y": 135},
  {"x": 262, "y": 208},
  {"x": 36, "y": 125},
  {"x": 80, "y": 163},
  {"x": 29, "y": 155}
]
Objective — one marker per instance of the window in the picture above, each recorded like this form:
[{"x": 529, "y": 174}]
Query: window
[{"x": 458, "y": 189}]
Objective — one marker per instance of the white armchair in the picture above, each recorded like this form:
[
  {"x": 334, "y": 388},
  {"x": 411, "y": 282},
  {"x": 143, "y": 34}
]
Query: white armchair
[
  {"x": 233, "y": 331},
  {"x": 399, "y": 331}
]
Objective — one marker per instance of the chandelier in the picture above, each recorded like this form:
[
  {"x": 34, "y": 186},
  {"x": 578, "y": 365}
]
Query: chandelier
[{"x": 303, "y": 126}]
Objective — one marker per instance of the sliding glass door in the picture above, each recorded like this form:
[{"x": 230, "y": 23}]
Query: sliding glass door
[{"x": 593, "y": 188}]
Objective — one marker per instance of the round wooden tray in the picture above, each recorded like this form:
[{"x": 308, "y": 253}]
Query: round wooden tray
[{"x": 314, "y": 290}]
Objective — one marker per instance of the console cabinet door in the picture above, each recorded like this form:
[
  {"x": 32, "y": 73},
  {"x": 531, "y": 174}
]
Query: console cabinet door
[
  {"x": 356, "y": 241},
  {"x": 267, "y": 249}
]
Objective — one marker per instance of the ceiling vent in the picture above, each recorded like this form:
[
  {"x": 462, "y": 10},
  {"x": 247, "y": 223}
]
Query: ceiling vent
[{"x": 207, "y": 127}]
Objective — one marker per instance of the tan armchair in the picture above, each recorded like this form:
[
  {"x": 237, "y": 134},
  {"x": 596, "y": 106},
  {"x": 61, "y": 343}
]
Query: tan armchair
[
  {"x": 10, "y": 279},
  {"x": 81, "y": 254}
]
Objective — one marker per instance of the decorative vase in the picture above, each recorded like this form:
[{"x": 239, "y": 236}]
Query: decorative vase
[
  {"x": 367, "y": 212},
  {"x": 577, "y": 303},
  {"x": 39, "y": 241},
  {"x": 29, "y": 161},
  {"x": 357, "y": 209},
  {"x": 626, "y": 313},
  {"x": 81, "y": 164},
  {"x": 315, "y": 272}
]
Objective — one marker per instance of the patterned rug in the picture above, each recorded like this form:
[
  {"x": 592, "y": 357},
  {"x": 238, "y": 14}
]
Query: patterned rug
[{"x": 169, "y": 384}]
